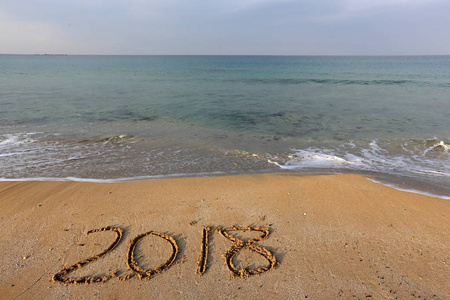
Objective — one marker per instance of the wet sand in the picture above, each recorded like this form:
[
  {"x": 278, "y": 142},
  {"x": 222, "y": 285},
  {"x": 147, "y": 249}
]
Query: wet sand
[{"x": 274, "y": 236}]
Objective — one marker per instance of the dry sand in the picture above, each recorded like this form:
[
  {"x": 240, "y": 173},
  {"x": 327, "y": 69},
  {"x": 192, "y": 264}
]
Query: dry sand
[{"x": 333, "y": 236}]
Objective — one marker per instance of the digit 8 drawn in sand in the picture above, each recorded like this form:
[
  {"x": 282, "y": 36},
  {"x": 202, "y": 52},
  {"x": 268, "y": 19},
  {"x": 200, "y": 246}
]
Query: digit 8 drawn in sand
[
  {"x": 59, "y": 277},
  {"x": 240, "y": 244}
]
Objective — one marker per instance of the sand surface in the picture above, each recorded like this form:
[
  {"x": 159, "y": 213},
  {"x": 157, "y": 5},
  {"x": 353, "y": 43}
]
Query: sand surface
[{"x": 329, "y": 237}]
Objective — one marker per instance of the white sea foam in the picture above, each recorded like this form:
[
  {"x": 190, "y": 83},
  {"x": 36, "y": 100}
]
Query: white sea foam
[
  {"x": 7, "y": 140},
  {"x": 312, "y": 159},
  {"x": 417, "y": 161},
  {"x": 44, "y": 158},
  {"x": 10, "y": 154},
  {"x": 124, "y": 179}
]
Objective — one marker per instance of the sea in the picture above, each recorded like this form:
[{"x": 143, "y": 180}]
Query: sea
[{"x": 121, "y": 118}]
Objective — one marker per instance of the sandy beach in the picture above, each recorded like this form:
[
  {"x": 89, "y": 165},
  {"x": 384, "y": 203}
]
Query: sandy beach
[{"x": 273, "y": 236}]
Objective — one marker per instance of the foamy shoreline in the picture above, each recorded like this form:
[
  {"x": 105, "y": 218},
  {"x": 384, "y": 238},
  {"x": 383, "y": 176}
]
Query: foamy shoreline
[{"x": 219, "y": 173}]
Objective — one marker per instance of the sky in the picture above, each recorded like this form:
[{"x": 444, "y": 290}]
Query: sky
[{"x": 225, "y": 27}]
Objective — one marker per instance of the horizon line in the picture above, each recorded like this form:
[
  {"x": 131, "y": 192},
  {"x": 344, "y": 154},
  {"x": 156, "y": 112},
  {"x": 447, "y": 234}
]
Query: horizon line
[{"x": 322, "y": 55}]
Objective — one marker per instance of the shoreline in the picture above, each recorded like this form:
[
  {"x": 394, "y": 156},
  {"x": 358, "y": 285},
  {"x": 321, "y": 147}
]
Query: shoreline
[
  {"x": 405, "y": 184},
  {"x": 331, "y": 235}
]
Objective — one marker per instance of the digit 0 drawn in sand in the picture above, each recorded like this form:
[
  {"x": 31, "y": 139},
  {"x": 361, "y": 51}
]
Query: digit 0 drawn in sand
[
  {"x": 59, "y": 277},
  {"x": 142, "y": 273},
  {"x": 240, "y": 245}
]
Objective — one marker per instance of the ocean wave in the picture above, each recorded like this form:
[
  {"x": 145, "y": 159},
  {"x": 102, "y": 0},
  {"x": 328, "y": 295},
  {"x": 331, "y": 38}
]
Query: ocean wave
[
  {"x": 429, "y": 158},
  {"x": 113, "y": 139},
  {"x": 11, "y": 140},
  {"x": 294, "y": 81},
  {"x": 116, "y": 157}
]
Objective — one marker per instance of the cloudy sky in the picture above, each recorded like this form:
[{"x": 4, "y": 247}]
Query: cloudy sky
[{"x": 273, "y": 27}]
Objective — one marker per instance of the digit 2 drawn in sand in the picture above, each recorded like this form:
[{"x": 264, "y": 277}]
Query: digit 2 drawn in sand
[
  {"x": 202, "y": 263},
  {"x": 59, "y": 277}
]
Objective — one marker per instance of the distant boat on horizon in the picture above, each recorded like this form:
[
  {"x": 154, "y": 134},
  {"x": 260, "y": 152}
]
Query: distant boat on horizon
[{"x": 50, "y": 54}]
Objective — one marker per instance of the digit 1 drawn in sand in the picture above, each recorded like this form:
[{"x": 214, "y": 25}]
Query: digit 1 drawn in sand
[
  {"x": 240, "y": 244},
  {"x": 59, "y": 277},
  {"x": 202, "y": 262},
  {"x": 142, "y": 273}
]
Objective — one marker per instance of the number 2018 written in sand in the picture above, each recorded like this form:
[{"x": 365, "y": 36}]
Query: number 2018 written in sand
[{"x": 202, "y": 263}]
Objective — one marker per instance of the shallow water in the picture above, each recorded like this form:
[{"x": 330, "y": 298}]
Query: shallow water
[{"x": 111, "y": 117}]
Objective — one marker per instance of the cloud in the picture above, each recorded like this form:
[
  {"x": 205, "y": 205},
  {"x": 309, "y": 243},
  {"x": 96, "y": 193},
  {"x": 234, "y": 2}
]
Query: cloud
[
  {"x": 31, "y": 37},
  {"x": 358, "y": 9},
  {"x": 224, "y": 27}
]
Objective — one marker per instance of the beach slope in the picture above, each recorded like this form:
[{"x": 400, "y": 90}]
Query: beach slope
[{"x": 274, "y": 236}]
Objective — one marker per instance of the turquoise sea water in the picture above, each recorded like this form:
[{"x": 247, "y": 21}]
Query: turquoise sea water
[{"x": 115, "y": 117}]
